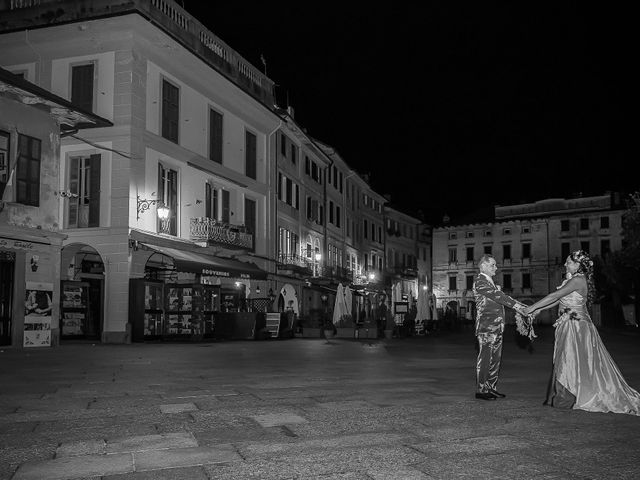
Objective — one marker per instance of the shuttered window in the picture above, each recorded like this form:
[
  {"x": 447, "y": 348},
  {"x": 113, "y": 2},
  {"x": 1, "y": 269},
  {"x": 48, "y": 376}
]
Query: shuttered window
[
  {"x": 28, "y": 171},
  {"x": 83, "y": 206},
  {"x": 170, "y": 111},
  {"x": 4, "y": 161},
  {"x": 215, "y": 136},
  {"x": 250, "y": 155},
  {"x": 250, "y": 220},
  {"x": 226, "y": 206},
  {"x": 168, "y": 196},
  {"x": 82, "y": 86}
]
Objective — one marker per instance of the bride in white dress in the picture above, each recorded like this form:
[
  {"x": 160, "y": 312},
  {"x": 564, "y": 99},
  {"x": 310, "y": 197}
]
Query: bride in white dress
[{"x": 584, "y": 375}]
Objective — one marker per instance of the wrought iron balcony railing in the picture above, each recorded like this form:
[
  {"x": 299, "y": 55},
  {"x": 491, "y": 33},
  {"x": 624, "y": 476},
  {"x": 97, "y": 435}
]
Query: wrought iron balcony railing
[
  {"x": 288, "y": 260},
  {"x": 213, "y": 231}
]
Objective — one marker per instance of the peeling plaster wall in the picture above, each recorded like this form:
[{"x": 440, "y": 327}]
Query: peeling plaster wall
[{"x": 21, "y": 119}]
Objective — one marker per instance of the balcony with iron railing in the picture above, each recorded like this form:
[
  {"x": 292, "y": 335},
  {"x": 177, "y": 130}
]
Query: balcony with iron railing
[
  {"x": 403, "y": 271},
  {"x": 17, "y": 15},
  {"x": 295, "y": 263},
  {"x": 203, "y": 229}
]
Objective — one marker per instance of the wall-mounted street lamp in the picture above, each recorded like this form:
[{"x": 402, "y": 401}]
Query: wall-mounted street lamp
[
  {"x": 372, "y": 277},
  {"x": 272, "y": 296},
  {"x": 163, "y": 215},
  {"x": 144, "y": 204}
]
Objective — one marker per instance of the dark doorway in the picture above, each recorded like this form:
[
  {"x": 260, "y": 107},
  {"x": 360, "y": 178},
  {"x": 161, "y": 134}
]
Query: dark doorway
[{"x": 7, "y": 265}]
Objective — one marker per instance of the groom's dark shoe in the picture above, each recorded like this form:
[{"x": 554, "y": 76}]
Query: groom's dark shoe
[
  {"x": 497, "y": 394},
  {"x": 485, "y": 396}
]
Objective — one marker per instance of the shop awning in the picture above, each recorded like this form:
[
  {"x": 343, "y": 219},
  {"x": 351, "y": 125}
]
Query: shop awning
[{"x": 185, "y": 261}]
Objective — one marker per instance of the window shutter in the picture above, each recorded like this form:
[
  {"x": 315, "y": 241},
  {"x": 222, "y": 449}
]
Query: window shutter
[
  {"x": 82, "y": 86},
  {"x": 94, "y": 190},
  {"x": 225, "y": 206},
  {"x": 173, "y": 201},
  {"x": 207, "y": 200},
  {"x": 250, "y": 155},
  {"x": 215, "y": 136},
  {"x": 74, "y": 167}
]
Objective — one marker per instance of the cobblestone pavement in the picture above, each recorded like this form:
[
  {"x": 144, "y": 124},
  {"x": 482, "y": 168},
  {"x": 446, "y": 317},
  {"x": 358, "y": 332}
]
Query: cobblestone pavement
[{"x": 302, "y": 409}]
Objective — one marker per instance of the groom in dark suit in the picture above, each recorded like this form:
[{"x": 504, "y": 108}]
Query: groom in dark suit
[{"x": 490, "y": 319}]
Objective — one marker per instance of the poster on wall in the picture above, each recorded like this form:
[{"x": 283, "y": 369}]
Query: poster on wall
[{"x": 37, "y": 314}]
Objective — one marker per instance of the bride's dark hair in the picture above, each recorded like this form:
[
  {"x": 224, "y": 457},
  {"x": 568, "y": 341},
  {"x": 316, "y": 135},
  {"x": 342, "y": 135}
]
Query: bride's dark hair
[{"x": 585, "y": 266}]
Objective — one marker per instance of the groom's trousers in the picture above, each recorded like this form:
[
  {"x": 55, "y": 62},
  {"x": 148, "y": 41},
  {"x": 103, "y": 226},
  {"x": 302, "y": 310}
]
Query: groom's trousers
[{"x": 489, "y": 356}]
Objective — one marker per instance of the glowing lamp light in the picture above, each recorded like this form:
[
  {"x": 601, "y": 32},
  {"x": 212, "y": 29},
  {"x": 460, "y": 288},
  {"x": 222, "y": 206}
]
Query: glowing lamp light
[{"x": 163, "y": 212}]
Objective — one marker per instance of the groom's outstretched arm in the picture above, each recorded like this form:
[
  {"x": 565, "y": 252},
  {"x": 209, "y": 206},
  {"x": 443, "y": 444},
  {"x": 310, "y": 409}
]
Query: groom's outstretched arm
[{"x": 487, "y": 289}]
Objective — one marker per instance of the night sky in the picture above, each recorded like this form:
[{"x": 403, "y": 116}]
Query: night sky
[{"x": 453, "y": 106}]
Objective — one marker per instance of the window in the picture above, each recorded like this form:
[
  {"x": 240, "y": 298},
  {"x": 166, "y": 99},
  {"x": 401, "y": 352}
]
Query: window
[
  {"x": 287, "y": 243},
  {"x": 453, "y": 283},
  {"x": 453, "y": 236},
  {"x": 170, "y": 111},
  {"x": 288, "y": 191},
  {"x": 526, "y": 229},
  {"x": 506, "y": 231},
  {"x": 83, "y": 210},
  {"x": 5, "y": 140},
  {"x": 365, "y": 229},
  {"x": 506, "y": 252},
  {"x": 338, "y": 216},
  {"x": 468, "y": 234},
  {"x": 506, "y": 281},
  {"x": 526, "y": 250},
  {"x": 250, "y": 155},
  {"x": 212, "y": 202},
  {"x": 565, "y": 250},
  {"x": 331, "y": 220},
  {"x": 604, "y": 222},
  {"x": 564, "y": 225},
  {"x": 215, "y": 136},
  {"x": 585, "y": 246},
  {"x": 487, "y": 233},
  {"x": 294, "y": 154},
  {"x": 469, "y": 282},
  {"x": 82, "y": 86},
  {"x": 307, "y": 166},
  {"x": 453, "y": 254},
  {"x": 469, "y": 254},
  {"x": 283, "y": 145},
  {"x": 341, "y": 181},
  {"x": 250, "y": 221},
  {"x": 526, "y": 280},
  {"x": 28, "y": 171},
  {"x": 373, "y": 232},
  {"x": 168, "y": 195},
  {"x": 584, "y": 224},
  {"x": 605, "y": 247},
  {"x": 488, "y": 249}
]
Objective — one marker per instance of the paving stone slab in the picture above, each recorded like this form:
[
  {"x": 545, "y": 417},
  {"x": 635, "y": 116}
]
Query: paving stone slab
[
  {"x": 75, "y": 467},
  {"x": 184, "y": 473},
  {"x": 88, "y": 447},
  {"x": 178, "y": 407},
  {"x": 185, "y": 457},
  {"x": 275, "y": 419},
  {"x": 151, "y": 442}
]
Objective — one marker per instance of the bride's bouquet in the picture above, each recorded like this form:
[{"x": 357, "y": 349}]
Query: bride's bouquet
[{"x": 524, "y": 326}]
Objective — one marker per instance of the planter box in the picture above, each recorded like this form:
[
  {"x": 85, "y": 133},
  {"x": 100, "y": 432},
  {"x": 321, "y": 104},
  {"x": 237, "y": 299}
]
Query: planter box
[
  {"x": 346, "y": 332},
  {"x": 311, "y": 332},
  {"x": 364, "y": 332}
]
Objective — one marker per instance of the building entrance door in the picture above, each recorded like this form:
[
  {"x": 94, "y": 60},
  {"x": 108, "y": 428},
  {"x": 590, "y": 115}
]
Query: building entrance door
[{"x": 7, "y": 265}]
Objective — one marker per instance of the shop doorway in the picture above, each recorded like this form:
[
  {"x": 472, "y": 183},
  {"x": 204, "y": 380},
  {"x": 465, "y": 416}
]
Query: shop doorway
[
  {"x": 7, "y": 266},
  {"x": 81, "y": 302}
]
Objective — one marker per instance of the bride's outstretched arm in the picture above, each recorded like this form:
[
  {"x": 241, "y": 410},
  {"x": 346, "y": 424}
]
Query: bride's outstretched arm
[{"x": 554, "y": 297}]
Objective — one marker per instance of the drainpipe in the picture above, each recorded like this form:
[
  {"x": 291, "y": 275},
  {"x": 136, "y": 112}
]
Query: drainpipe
[{"x": 275, "y": 205}]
